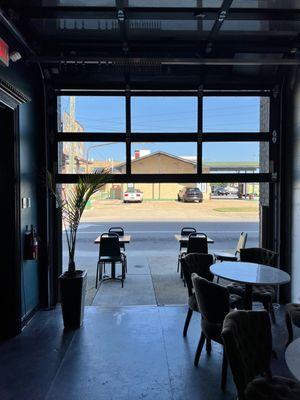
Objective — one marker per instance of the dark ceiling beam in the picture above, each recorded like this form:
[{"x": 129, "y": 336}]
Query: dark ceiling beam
[
  {"x": 123, "y": 24},
  {"x": 15, "y": 32},
  {"x": 220, "y": 18},
  {"x": 115, "y": 61},
  {"x": 236, "y": 45},
  {"x": 167, "y": 13}
]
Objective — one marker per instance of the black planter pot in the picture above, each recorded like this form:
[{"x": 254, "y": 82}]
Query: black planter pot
[{"x": 72, "y": 290}]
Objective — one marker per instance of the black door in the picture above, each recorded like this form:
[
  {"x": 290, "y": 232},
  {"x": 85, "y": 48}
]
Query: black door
[{"x": 10, "y": 286}]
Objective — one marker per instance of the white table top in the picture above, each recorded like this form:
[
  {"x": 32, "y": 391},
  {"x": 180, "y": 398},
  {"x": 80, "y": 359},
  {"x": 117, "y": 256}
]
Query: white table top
[
  {"x": 249, "y": 273},
  {"x": 292, "y": 358},
  {"x": 185, "y": 238}
]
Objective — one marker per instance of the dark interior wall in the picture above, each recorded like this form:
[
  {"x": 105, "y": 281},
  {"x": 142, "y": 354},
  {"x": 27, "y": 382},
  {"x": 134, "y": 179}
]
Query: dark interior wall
[{"x": 27, "y": 79}]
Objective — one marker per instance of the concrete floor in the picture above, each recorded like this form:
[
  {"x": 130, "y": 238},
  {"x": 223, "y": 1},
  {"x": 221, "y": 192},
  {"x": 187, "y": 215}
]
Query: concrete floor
[
  {"x": 150, "y": 280},
  {"x": 120, "y": 353}
]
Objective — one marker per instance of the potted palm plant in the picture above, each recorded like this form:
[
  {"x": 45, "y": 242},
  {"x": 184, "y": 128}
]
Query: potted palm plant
[{"x": 72, "y": 204}]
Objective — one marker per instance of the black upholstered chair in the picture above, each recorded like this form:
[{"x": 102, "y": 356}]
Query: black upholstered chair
[
  {"x": 213, "y": 304},
  {"x": 182, "y": 245},
  {"x": 264, "y": 294},
  {"x": 247, "y": 340},
  {"x": 197, "y": 243},
  {"x": 292, "y": 317},
  {"x": 109, "y": 252},
  {"x": 120, "y": 231},
  {"x": 197, "y": 263},
  {"x": 223, "y": 256}
]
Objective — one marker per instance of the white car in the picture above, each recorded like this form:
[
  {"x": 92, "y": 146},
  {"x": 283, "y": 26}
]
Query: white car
[
  {"x": 133, "y": 196},
  {"x": 232, "y": 190}
]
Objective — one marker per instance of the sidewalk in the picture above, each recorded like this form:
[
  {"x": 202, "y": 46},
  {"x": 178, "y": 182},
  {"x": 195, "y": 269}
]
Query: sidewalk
[{"x": 209, "y": 210}]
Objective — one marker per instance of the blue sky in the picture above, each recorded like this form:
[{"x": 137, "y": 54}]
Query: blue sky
[{"x": 171, "y": 114}]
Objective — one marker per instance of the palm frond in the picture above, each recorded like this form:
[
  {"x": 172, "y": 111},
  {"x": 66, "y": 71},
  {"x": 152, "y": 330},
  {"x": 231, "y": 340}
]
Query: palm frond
[{"x": 72, "y": 204}]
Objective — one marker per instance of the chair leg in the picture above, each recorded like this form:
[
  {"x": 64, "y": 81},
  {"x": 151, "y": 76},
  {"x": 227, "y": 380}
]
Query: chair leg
[
  {"x": 178, "y": 262},
  {"x": 123, "y": 271},
  {"x": 224, "y": 371},
  {"x": 289, "y": 326},
  {"x": 269, "y": 307},
  {"x": 187, "y": 322},
  {"x": 272, "y": 313},
  {"x": 97, "y": 272},
  {"x": 208, "y": 346},
  {"x": 199, "y": 349}
]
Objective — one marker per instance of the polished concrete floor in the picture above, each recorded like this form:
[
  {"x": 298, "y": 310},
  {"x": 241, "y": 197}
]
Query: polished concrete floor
[{"x": 120, "y": 353}]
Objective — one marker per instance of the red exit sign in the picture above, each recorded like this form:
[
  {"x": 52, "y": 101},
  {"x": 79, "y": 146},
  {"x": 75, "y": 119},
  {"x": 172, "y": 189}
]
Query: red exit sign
[{"x": 4, "y": 53}]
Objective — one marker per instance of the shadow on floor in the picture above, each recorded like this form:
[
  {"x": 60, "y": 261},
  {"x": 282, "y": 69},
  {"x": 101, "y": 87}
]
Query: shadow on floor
[{"x": 120, "y": 353}]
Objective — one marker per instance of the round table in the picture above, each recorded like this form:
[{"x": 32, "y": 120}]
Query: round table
[
  {"x": 249, "y": 274},
  {"x": 292, "y": 358}
]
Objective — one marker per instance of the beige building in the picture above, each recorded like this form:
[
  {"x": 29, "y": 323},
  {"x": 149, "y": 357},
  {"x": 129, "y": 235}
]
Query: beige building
[{"x": 162, "y": 163}]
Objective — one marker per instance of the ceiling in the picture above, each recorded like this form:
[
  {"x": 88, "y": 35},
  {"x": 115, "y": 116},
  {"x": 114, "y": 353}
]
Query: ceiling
[{"x": 170, "y": 42}]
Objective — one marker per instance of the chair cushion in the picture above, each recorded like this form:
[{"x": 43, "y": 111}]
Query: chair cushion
[
  {"x": 225, "y": 256},
  {"x": 236, "y": 288},
  {"x": 212, "y": 330},
  {"x": 277, "y": 388},
  {"x": 192, "y": 302},
  {"x": 293, "y": 309},
  {"x": 263, "y": 293},
  {"x": 236, "y": 301},
  {"x": 259, "y": 293}
]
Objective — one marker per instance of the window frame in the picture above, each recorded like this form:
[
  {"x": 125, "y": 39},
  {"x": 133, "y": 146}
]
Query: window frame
[{"x": 198, "y": 137}]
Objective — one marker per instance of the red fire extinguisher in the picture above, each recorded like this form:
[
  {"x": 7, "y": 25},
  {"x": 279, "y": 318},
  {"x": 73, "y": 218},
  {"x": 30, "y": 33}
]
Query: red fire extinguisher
[{"x": 30, "y": 244}]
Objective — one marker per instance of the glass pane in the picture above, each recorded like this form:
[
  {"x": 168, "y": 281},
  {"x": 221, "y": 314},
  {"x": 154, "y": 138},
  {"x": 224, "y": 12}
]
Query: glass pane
[
  {"x": 91, "y": 114},
  {"x": 165, "y": 3},
  {"x": 90, "y": 157},
  {"x": 236, "y": 114},
  {"x": 163, "y": 158},
  {"x": 77, "y": 28},
  {"x": 164, "y": 114},
  {"x": 265, "y": 4},
  {"x": 235, "y": 157},
  {"x": 76, "y": 3},
  {"x": 271, "y": 27}
]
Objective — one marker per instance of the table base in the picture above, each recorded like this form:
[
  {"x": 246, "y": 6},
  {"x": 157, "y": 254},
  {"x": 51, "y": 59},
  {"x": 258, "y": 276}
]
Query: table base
[{"x": 248, "y": 297}]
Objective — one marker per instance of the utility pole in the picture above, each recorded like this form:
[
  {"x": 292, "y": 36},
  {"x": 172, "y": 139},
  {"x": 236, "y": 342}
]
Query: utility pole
[{"x": 72, "y": 129}]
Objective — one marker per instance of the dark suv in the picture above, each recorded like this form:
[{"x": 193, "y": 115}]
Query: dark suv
[{"x": 190, "y": 194}]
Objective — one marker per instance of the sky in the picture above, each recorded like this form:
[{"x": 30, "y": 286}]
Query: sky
[{"x": 170, "y": 114}]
